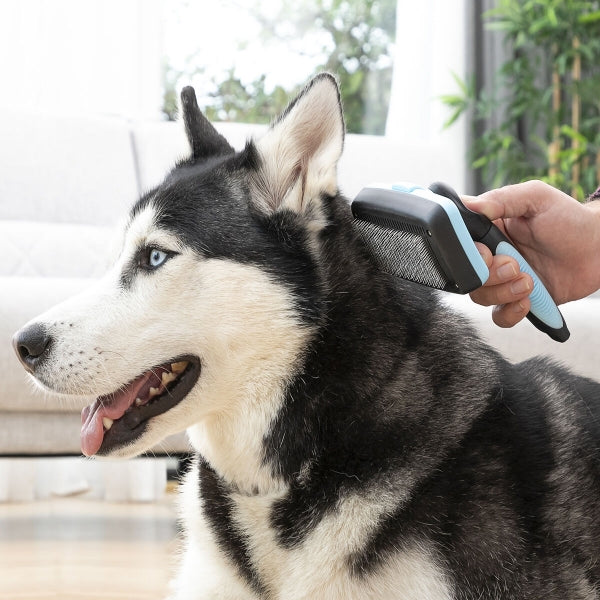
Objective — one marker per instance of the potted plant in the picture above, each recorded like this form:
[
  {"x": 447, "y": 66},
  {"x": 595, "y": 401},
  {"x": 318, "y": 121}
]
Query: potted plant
[{"x": 540, "y": 116}]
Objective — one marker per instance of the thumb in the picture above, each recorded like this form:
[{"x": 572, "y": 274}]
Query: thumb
[
  {"x": 486, "y": 204},
  {"x": 518, "y": 200}
]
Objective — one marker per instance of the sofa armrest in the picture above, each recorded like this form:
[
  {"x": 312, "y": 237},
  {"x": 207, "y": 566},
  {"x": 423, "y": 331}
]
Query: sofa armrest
[{"x": 524, "y": 341}]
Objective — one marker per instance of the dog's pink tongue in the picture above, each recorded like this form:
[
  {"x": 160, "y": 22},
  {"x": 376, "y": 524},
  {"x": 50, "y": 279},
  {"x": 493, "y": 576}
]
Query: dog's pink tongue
[{"x": 112, "y": 406}]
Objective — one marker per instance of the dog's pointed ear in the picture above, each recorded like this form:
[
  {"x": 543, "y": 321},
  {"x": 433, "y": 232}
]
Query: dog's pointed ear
[
  {"x": 205, "y": 141},
  {"x": 298, "y": 155}
]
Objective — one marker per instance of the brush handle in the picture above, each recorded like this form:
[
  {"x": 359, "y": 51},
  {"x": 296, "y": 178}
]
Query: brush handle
[{"x": 544, "y": 313}]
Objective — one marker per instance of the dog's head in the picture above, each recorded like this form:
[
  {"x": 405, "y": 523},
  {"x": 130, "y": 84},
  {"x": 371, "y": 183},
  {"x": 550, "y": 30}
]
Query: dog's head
[{"x": 215, "y": 292}]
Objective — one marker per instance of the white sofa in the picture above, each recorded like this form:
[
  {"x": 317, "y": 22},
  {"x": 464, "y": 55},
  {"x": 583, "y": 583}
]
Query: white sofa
[{"x": 65, "y": 182}]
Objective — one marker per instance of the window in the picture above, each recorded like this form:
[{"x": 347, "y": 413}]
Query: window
[{"x": 246, "y": 59}]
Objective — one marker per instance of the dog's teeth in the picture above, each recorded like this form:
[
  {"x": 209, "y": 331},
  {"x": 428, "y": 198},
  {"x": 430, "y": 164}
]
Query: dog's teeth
[
  {"x": 107, "y": 423},
  {"x": 167, "y": 377},
  {"x": 139, "y": 401},
  {"x": 154, "y": 392},
  {"x": 179, "y": 367}
]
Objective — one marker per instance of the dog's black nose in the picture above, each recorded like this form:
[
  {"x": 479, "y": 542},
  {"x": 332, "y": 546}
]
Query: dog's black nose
[{"x": 31, "y": 345}]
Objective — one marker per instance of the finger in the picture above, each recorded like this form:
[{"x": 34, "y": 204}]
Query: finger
[
  {"x": 484, "y": 205},
  {"x": 508, "y": 315},
  {"x": 487, "y": 208},
  {"x": 505, "y": 293},
  {"x": 486, "y": 254},
  {"x": 502, "y": 270},
  {"x": 519, "y": 200}
]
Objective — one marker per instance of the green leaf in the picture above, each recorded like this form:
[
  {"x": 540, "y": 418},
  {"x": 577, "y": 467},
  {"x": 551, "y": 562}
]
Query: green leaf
[
  {"x": 588, "y": 18},
  {"x": 453, "y": 118},
  {"x": 499, "y": 26},
  {"x": 452, "y": 100},
  {"x": 480, "y": 162},
  {"x": 460, "y": 83},
  {"x": 537, "y": 26},
  {"x": 573, "y": 134}
]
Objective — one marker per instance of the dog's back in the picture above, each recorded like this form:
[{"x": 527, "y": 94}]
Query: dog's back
[{"x": 514, "y": 506}]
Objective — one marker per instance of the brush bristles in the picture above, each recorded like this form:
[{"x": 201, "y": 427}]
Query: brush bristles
[{"x": 403, "y": 251}]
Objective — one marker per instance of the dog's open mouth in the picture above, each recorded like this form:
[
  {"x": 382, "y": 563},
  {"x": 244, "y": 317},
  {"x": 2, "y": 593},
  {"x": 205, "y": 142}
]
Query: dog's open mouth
[{"x": 119, "y": 418}]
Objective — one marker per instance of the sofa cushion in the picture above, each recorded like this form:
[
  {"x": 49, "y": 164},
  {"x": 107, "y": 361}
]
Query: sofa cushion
[
  {"x": 159, "y": 146},
  {"x": 23, "y": 298},
  {"x": 65, "y": 169},
  {"x": 35, "y": 249}
]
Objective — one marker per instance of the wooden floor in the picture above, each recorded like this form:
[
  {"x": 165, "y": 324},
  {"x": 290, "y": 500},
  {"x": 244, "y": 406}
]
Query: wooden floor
[{"x": 79, "y": 549}]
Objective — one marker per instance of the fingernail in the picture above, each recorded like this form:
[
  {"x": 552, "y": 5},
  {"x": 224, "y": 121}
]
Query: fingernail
[
  {"x": 520, "y": 286},
  {"x": 506, "y": 272}
]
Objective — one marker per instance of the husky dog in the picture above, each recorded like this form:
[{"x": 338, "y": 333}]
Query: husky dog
[{"x": 354, "y": 439}]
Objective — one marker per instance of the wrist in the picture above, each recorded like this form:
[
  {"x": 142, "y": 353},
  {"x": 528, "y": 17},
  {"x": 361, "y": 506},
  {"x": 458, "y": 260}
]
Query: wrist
[{"x": 593, "y": 209}]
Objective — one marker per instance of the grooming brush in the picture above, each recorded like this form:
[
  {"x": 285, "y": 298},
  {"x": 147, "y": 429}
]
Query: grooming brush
[{"x": 427, "y": 236}]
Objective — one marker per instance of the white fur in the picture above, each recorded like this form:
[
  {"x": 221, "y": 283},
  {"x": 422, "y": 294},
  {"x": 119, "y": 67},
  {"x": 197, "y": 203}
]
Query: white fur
[{"x": 316, "y": 570}]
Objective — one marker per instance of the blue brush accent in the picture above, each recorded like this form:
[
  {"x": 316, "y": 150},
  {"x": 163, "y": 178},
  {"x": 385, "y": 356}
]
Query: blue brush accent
[
  {"x": 542, "y": 305},
  {"x": 406, "y": 187},
  {"x": 462, "y": 233}
]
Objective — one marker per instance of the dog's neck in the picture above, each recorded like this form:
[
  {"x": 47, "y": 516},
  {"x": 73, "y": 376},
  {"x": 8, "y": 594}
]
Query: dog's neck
[
  {"x": 246, "y": 398},
  {"x": 232, "y": 444}
]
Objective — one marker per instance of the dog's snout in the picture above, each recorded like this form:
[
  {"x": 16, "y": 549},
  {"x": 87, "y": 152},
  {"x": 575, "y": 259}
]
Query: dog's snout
[{"x": 31, "y": 345}]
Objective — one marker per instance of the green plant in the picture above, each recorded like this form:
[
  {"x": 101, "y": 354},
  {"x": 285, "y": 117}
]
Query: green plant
[{"x": 541, "y": 117}]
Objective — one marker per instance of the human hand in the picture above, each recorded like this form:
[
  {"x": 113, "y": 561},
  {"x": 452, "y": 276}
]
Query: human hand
[{"x": 558, "y": 236}]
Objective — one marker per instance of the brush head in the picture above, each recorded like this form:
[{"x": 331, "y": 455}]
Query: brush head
[
  {"x": 403, "y": 250},
  {"x": 419, "y": 236}
]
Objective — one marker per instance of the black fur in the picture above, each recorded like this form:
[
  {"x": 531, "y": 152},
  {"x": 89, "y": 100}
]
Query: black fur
[
  {"x": 204, "y": 139},
  {"x": 218, "y": 510}
]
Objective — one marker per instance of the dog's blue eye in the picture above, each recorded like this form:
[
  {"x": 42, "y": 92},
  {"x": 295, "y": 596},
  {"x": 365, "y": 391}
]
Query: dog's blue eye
[
  {"x": 150, "y": 258},
  {"x": 156, "y": 257}
]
